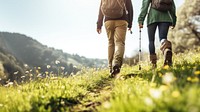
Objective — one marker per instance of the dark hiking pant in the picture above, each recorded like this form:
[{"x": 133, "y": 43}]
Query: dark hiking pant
[{"x": 163, "y": 28}]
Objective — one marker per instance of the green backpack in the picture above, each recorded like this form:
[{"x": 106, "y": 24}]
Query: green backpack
[
  {"x": 113, "y": 8},
  {"x": 162, "y": 5}
]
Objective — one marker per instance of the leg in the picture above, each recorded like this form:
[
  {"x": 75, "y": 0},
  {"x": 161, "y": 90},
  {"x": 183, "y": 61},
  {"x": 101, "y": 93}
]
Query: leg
[
  {"x": 119, "y": 39},
  {"x": 166, "y": 46},
  {"x": 163, "y": 28},
  {"x": 151, "y": 34},
  {"x": 119, "y": 36},
  {"x": 109, "y": 25}
]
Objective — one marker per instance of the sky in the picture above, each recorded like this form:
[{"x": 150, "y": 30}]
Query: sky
[{"x": 68, "y": 25}]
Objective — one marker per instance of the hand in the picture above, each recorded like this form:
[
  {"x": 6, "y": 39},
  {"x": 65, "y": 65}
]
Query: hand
[
  {"x": 99, "y": 31},
  {"x": 140, "y": 26},
  {"x": 129, "y": 29},
  {"x": 172, "y": 27}
]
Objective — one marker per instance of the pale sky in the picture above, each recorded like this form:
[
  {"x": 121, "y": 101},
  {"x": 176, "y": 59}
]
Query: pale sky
[{"x": 69, "y": 25}]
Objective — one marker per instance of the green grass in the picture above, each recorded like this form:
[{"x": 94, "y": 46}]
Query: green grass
[
  {"x": 51, "y": 94},
  {"x": 165, "y": 89}
]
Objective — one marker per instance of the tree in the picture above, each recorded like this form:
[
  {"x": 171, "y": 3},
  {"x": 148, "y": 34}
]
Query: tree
[{"x": 186, "y": 34}]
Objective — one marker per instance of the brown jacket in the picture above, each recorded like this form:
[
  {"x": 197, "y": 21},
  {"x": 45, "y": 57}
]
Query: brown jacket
[{"x": 128, "y": 17}]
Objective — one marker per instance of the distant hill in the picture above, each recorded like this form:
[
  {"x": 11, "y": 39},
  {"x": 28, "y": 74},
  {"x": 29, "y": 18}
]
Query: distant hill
[{"x": 31, "y": 53}]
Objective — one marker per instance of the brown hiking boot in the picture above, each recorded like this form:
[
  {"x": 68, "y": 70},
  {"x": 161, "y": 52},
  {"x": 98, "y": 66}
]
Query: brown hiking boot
[
  {"x": 110, "y": 71},
  {"x": 166, "y": 48},
  {"x": 167, "y": 57},
  {"x": 153, "y": 60},
  {"x": 115, "y": 71}
]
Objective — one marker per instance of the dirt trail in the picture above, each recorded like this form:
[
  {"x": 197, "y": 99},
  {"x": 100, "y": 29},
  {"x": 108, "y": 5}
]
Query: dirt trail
[{"x": 95, "y": 97}]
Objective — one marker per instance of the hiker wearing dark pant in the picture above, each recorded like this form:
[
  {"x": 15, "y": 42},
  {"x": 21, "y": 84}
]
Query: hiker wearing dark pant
[
  {"x": 163, "y": 19},
  {"x": 116, "y": 27}
]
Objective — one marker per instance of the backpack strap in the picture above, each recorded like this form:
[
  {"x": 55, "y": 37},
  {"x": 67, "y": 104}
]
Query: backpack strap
[
  {"x": 123, "y": 6},
  {"x": 170, "y": 16}
]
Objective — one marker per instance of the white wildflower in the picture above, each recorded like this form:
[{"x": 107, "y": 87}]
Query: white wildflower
[
  {"x": 107, "y": 105},
  {"x": 155, "y": 93},
  {"x": 39, "y": 75},
  {"x": 168, "y": 78},
  {"x": 23, "y": 76},
  {"x": 27, "y": 72},
  {"x": 148, "y": 101},
  {"x": 26, "y": 65},
  {"x": 9, "y": 84},
  {"x": 63, "y": 68},
  {"x": 48, "y": 66},
  {"x": 57, "y": 62},
  {"x": 15, "y": 73}
]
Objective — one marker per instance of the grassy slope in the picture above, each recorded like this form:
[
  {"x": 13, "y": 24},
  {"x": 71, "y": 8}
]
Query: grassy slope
[{"x": 164, "y": 89}]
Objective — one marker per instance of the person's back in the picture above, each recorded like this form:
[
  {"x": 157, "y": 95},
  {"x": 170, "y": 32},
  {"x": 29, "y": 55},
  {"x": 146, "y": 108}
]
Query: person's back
[{"x": 116, "y": 28}]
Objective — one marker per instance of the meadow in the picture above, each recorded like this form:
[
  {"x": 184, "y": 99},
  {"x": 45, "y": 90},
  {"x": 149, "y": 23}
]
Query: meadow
[{"x": 164, "y": 89}]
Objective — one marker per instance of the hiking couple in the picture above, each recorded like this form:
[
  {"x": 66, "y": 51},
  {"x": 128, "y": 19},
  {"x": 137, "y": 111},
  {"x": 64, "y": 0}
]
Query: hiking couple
[{"x": 119, "y": 16}]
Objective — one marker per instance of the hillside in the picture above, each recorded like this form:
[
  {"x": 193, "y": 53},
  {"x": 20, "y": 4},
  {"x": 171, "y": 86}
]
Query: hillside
[
  {"x": 29, "y": 52},
  {"x": 164, "y": 89}
]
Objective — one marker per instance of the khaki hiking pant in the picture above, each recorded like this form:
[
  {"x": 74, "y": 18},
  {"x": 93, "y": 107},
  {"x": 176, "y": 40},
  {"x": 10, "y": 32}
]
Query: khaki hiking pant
[{"x": 116, "y": 32}]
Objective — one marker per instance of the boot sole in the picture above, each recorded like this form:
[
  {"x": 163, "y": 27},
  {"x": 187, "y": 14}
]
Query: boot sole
[
  {"x": 168, "y": 57},
  {"x": 115, "y": 71}
]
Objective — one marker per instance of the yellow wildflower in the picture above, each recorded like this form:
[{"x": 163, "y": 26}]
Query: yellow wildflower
[
  {"x": 163, "y": 88},
  {"x": 197, "y": 72},
  {"x": 175, "y": 94},
  {"x": 1, "y": 105},
  {"x": 153, "y": 84},
  {"x": 195, "y": 79},
  {"x": 46, "y": 72},
  {"x": 189, "y": 78},
  {"x": 166, "y": 67},
  {"x": 160, "y": 74}
]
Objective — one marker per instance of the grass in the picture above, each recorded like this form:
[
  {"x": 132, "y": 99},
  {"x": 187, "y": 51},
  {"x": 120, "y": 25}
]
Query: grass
[
  {"x": 165, "y": 89},
  {"x": 50, "y": 94}
]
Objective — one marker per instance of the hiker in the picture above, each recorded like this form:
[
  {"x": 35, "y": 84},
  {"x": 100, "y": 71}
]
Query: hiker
[
  {"x": 162, "y": 17},
  {"x": 117, "y": 20}
]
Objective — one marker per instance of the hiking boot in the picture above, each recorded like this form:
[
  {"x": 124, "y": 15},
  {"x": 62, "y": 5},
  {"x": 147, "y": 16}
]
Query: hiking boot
[
  {"x": 167, "y": 57},
  {"x": 166, "y": 48},
  {"x": 115, "y": 71},
  {"x": 153, "y": 60},
  {"x": 110, "y": 71}
]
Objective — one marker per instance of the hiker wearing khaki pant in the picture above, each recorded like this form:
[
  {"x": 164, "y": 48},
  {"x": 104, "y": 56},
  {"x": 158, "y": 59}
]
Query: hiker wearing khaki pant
[
  {"x": 116, "y": 29},
  {"x": 116, "y": 32}
]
